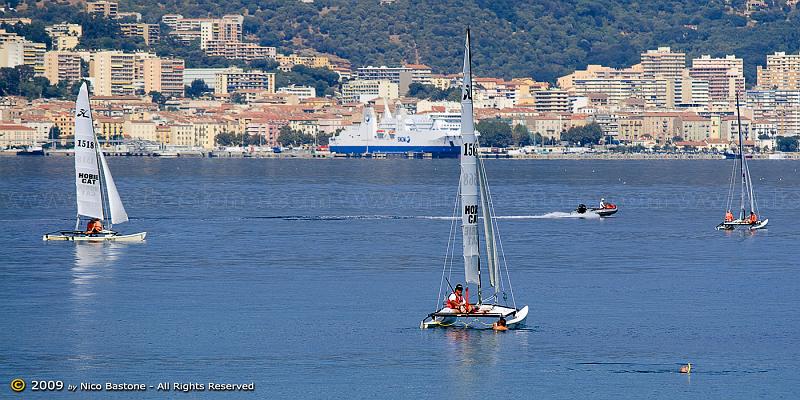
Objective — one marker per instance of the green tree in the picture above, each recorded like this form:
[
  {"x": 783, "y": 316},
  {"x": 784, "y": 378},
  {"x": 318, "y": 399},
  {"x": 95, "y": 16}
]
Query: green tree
[
  {"x": 583, "y": 135},
  {"x": 521, "y": 135},
  {"x": 422, "y": 91},
  {"x": 198, "y": 88},
  {"x": 238, "y": 98},
  {"x": 289, "y": 137},
  {"x": 788, "y": 144},
  {"x": 158, "y": 98},
  {"x": 228, "y": 139},
  {"x": 495, "y": 133}
]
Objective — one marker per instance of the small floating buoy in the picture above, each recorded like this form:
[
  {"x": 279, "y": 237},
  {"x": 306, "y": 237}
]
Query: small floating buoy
[{"x": 686, "y": 369}]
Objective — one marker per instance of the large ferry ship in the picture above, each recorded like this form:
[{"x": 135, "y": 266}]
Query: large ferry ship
[{"x": 438, "y": 134}]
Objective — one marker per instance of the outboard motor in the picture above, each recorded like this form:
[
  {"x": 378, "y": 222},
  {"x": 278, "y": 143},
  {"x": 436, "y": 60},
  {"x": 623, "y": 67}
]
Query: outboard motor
[{"x": 581, "y": 209}]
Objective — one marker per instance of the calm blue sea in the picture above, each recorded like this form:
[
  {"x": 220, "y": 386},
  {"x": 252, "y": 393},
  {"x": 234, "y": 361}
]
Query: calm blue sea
[{"x": 310, "y": 277}]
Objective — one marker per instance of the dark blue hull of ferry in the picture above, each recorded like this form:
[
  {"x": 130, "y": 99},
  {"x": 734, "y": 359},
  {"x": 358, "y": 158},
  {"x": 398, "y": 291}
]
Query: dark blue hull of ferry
[{"x": 435, "y": 151}]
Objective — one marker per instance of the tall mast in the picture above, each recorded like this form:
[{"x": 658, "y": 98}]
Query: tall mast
[
  {"x": 469, "y": 178},
  {"x": 741, "y": 154}
]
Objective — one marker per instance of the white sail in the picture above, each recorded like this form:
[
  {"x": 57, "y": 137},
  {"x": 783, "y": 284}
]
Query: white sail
[
  {"x": 115, "y": 207},
  {"x": 488, "y": 230},
  {"x": 87, "y": 174},
  {"x": 469, "y": 177}
]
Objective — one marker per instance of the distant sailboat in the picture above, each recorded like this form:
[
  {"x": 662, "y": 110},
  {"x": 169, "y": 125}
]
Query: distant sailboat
[
  {"x": 96, "y": 192},
  {"x": 474, "y": 187},
  {"x": 748, "y": 218}
]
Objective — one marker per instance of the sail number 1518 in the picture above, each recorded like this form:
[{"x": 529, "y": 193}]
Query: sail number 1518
[{"x": 470, "y": 149}]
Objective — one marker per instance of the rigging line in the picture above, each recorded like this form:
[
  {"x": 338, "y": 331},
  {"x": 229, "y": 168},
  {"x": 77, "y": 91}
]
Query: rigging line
[
  {"x": 731, "y": 186},
  {"x": 447, "y": 253},
  {"x": 499, "y": 240},
  {"x": 753, "y": 203},
  {"x": 750, "y": 191},
  {"x": 493, "y": 222}
]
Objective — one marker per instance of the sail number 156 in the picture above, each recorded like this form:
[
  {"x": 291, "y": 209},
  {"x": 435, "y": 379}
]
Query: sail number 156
[{"x": 470, "y": 149}]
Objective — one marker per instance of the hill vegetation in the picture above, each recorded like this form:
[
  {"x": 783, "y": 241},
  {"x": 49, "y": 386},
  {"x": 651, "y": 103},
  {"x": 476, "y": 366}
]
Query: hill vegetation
[{"x": 542, "y": 39}]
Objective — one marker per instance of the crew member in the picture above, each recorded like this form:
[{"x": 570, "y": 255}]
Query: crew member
[
  {"x": 753, "y": 218},
  {"x": 603, "y": 203},
  {"x": 94, "y": 226},
  {"x": 456, "y": 301},
  {"x": 728, "y": 216},
  {"x": 500, "y": 325}
]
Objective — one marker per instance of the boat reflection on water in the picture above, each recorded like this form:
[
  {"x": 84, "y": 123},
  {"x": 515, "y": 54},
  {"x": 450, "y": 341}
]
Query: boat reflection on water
[{"x": 92, "y": 261}]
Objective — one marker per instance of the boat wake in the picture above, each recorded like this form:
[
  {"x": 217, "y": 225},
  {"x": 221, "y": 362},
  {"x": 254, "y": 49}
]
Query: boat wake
[{"x": 552, "y": 215}]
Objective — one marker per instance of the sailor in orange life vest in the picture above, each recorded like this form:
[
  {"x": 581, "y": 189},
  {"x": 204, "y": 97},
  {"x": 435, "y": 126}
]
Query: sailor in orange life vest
[
  {"x": 457, "y": 302},
  {"x": 94, "y": 226},
  {"x": 753, "y": 218},
  {"x": 728, "y": 216}
]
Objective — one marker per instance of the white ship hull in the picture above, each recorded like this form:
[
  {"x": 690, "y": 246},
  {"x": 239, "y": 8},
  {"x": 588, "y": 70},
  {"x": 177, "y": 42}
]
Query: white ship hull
[{"x": 436, "y": 134}]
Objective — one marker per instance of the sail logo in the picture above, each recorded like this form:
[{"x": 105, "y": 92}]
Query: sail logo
[
  {"x": 83, "y": 113},
  {"x": 404, "y": 139},
  {"x": 466, "y": 94},
  {"x": 471, "y": 212},
  {"x": 89, "y": 179}
]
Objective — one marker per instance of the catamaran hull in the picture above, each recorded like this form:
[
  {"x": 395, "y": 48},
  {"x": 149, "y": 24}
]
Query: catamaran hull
[
  {"x": 515, "y": 319},
  {"x": 72, "y": 236},
  {"x": 729, "y": 226}
]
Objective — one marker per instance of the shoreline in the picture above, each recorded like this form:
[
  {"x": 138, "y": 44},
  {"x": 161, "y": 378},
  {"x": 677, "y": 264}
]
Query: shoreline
[{"x": 381, "y": 156}]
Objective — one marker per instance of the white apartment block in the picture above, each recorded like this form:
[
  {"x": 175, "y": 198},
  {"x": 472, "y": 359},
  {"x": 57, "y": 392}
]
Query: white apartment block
[
  {"x": 778, "y": 107},
  {"x": 302, "y": 92}
]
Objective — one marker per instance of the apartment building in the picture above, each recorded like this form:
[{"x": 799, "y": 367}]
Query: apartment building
[
  {"x": 207, "y": 75},
  {"x": 662, "y": 63},
  {"x": 23, "y": 52},
  {"x": 233, "y": 79},
  {"x": 239, "y": 50},
  {"x": 551, "y": 101},
  {"x": 362, "y": 91},
  {"x": 725, "y": 76},
  {"x": 62, "y": 66},
  {"x": 109, "y": 9},
  {"x": 302, "y": 92},
  {"x": 286, "y": 62},
  {"x": 225, "y": 29},
  {"x": 112, "y": 73},
  {"x": 151, "y": 33},
  {"x": 781, "y": 73},
  {"x": 778, "y": 107},
  {"x": 599, "y": 72},
  {"x": 15, "y": 135},
  {"x": 64, "y": 36},
  {"x": 164, "y": 75},
  {"x": 402, "y": 76}
]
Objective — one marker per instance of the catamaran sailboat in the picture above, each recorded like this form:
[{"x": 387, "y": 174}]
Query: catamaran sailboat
[
  {"x": 751, "y": 219},
  {"x": 473, "y": 187},
  {"x": 97, "y": 195}
]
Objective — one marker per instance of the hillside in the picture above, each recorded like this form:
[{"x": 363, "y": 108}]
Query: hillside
[{"x": 512, "y": 38}]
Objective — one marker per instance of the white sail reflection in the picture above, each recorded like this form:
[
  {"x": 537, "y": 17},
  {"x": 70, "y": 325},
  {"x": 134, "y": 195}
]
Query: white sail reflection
[{"x": 92, "y": 261}]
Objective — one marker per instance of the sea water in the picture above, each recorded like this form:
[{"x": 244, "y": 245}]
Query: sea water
[{"x": 309, "y": 278}]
